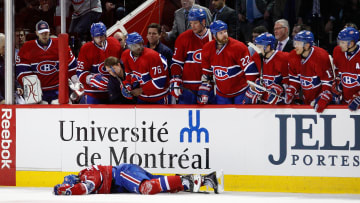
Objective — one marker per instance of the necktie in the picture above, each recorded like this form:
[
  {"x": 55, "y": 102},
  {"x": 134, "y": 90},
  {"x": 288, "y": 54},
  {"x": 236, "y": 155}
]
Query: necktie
[
  {"x": 279, "y": 46},
  {"x": 186, "y": 14},
  {"x": 250, "y": 10}
]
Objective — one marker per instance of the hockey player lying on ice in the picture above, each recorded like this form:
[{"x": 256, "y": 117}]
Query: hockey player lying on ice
[{"x": 130, "y": 178}]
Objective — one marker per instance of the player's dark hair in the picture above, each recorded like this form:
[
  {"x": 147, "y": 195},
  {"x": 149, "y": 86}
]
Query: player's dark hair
[
  {"x": 260, "y": 29},
  {"x": 351, "y": 24},
  {"x": 155, "y": 25},
  {"x": 111, "y": 61}
]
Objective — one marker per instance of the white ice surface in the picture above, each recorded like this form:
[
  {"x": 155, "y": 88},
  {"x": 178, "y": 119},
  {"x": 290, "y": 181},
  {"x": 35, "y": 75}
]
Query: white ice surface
[{"x": 45, "y": 195}]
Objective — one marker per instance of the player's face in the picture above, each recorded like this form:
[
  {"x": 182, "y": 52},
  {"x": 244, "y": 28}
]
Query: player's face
[
  {"x": 44, "y": 37},
  {"x": 136, "y": 49},
  {"x": 299, "y": 47},
  {"x": 153, "y": 36},
  {"x": 222, "y": 37},
  {"x": 196, "y": 26},
  {"x": 100, "y": 40},
  {"x": 261, "y": 47},
  {"x": 117, "y": 69},
  {"x": 345, "y": 45}
]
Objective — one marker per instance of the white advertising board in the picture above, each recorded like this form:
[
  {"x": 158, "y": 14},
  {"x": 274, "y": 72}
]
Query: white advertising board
[{"x": 241, "y": 141}]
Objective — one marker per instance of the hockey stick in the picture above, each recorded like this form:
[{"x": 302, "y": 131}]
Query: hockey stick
[
  {"x": 261, "y": 60},
  {"x": 264, "y": 89}
]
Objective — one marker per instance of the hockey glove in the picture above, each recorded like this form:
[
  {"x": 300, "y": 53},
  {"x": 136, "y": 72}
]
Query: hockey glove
[
  {"x": 62, "y": 189},
  {"x": 176, "y": 86},
  {"x": 251, "y": 97},
  {"x": 354, "y": 104},
  {"x": 256, "y": 89},
  {"x": 126, "y": 91},
  {"x": 322, "y": 101},
  {"x": 290, "y": 94},
  {"x": 204, "y": 93},
  {"x": 99, "y": 81},
  {"x": 276, "y": 89}
]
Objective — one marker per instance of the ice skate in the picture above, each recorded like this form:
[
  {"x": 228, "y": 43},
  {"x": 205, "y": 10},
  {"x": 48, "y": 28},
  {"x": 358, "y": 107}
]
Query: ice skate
[{"x": 193, "y": 182}]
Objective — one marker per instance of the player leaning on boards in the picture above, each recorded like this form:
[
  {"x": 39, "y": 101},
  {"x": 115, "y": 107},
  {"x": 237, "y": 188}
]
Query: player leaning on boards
[
  {"x": 90, "y": 69},
  {"x": 274, "y": 74},
  {"x": 131, "y": 178},
  {"x": 40, "y": 57},
  {"x": 310, "y": 70},
  {"x": 347, "y": 64},
  {"x": 186, "y": 62},
  {"x": 146, "y": 73},
  {"x": 229, "y": 61}
]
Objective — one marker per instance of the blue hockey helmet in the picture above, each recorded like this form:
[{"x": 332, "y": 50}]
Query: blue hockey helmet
[
  {"x": 134, "y": 38},
  {"x": 305, "y": 36},
  {"x": 349, "y": 34},
  {"x": 217, "y": 26},
  {"x": 197, "y": 14},
  {"x": 266, "y": 39},
  {"x": 98, "y": 29}
]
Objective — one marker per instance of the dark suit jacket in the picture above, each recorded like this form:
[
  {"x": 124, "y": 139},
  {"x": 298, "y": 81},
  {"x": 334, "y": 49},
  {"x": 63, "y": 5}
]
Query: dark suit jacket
[
  {"x": 228, "y": 15},
  {"x": 288, "y": 46},
  {"x": 179, "y": 22}
]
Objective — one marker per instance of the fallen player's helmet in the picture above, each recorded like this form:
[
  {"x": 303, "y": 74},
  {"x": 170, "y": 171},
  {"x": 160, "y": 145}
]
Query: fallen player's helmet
[
  {"x": 266, "y": 39},
  {"x": 305, "y": 36},
  {"x": 134, "y": 38},
  {"x": 197, "y": 14},
  {"x": 217, "y": 26},
  {"x": 349, "y": 34},
  {"x": 98, "y": 29},
  {"x": 71, "y": 179}
]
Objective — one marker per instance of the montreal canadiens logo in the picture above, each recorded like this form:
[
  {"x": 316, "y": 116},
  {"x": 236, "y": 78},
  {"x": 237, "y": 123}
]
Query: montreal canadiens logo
[
  {"x": 307, "y": 83},
  {"x": 138, "y": 77},
  {"x": 47, "y": 67},
  {"x": 102, "y": 69},
  {"x": 221, "y": 73},
  {"x": 349, "y": 80},
  {"x": 268, "y": 80},
  {"x": 197, "y": 56}
]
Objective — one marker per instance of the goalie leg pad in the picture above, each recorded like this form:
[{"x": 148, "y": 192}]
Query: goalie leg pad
[{"x": 32, "y": 89}]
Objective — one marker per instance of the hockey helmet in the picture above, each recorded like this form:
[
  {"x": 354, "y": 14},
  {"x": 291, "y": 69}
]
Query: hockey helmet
[
  {"x": 98, "y": 29},
  {"x": 349, "y": 34},
  {"x": 134, "y": 38},
  {"x": 217, "y": 26},
  {"x": 305, "y": 36},
  {"x": 197, "y": 14},
  {"x": 266, "y": 39}
]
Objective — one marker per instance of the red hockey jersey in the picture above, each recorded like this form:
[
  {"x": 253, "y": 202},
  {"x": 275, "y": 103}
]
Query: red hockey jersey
[
  {"x": 93, "y": 180},
  {"x": 149, "y": 69},
  {"x": 43, "y": 62},
  {"x": 275, "y": 68},
  {"x": 186, "y": 60},
  {"x": 231, "y": 65},
  {"x": 313, "y": 74},
  {"x": 349, "y": 69},
  {"x": 91, "y": 61}
]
